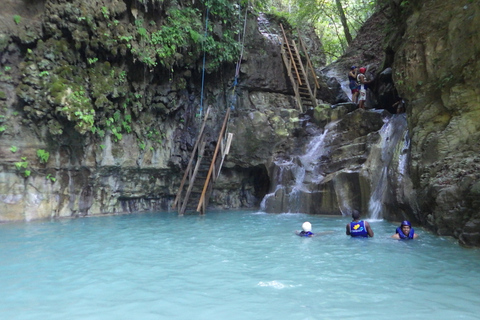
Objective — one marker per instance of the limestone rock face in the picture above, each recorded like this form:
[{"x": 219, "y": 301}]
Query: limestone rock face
[
  {"x": 436, "y": 70},
  {"x": 66, "y": 62}
]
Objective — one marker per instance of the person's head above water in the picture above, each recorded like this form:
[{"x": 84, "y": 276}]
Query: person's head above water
[
  {"x": 405, "y": 231},
  {"x": 307, "y": 226},
  {"x": 406, "y": 223},
  {"x": 355, "y": 215},
  {"x": 405, "y": 227}
]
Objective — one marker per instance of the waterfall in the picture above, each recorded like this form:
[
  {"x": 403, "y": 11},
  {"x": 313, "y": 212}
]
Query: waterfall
[
  {"x": 329, "y": 175},
  {"x": 392, "y": 162},
  {"x": 294, "y": 177}
]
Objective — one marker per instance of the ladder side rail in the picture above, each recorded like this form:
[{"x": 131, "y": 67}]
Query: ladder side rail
[
  {"x": 307, "y": 84},
  {"x": 207, "y": 199},
  {"x": 288, "y": 64},
  {"x": 290, "y": 52},
  {"x": 183, "y": 206},
  {"x": 309, "y": 64},
  {"x": 190, "y": 162},
  {"x": 207, "y": 180}
]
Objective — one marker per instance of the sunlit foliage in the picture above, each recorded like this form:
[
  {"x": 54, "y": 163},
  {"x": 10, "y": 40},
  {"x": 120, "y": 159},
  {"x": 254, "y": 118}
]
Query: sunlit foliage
[{"x": 325, "y": 16}]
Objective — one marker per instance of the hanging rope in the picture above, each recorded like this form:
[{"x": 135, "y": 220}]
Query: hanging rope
[
  {"x": 239, "y": 62},
  {"x": 203, "y": 68}
]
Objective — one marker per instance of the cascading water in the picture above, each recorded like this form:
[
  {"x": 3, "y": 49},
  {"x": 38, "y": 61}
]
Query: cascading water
[
  {"x": 393, "y": 161},
  {"x": 295, "y": 176},
  {"x": 329, "y": 178}
]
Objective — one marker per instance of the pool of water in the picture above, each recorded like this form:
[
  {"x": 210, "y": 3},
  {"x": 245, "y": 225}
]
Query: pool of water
[{"x": 232, "y": 264}]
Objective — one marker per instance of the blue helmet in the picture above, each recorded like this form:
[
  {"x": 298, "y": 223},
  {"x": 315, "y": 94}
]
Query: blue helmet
[
  {"x": 353, "y": 67},
  {"x": 406, "y": 223}
]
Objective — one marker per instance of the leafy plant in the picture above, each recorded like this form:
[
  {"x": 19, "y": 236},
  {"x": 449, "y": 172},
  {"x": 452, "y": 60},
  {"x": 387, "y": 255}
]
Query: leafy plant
[
  {"x": 13, "y": 149},
  {"x": 43, "y": 155},
  {"x": 105, "y": 13},
  {"x": 49, "y": 177},
  {"x": 17, "y": 18},
  {"x": 23, "y": 165},
  {"x": 92, "y": 60}
]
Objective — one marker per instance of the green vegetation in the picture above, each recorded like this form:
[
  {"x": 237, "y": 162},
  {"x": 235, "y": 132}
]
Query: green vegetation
[
  {"x": 98, "y": 81},
  {"x": 336, "y": 22},
  {"x": 92, "y": 60},
  {"x": 13, "y": 149},
  {"x": 43, "y": 155},
  {"x": 49, "y": 177},
  {"x": 17, "y": 19},
  {"x": 22, "y": 167},
  {"x": 2, "y": 119}
]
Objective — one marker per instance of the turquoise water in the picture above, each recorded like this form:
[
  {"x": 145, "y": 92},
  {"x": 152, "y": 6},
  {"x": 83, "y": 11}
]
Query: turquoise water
[{"x": 237, "y": 265}]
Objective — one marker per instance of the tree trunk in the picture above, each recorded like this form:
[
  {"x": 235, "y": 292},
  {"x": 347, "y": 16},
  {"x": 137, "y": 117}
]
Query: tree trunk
[{"x": 346, "y": 30}]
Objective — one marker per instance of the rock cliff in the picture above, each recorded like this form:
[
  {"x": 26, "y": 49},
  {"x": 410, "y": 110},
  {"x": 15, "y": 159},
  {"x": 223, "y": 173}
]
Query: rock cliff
[
  {"x": 436, "y": 67},
  {"x": 99, "y": 117}
]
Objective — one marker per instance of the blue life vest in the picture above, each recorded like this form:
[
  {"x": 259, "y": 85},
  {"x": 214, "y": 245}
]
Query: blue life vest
[
  {"x": 402, "y": 236},
  {"x": 305, "y": 234},
  {"x": 358, "y": 229}
]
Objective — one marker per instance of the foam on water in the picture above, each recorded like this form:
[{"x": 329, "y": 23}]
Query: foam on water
[{"x": 240, "y": 265}]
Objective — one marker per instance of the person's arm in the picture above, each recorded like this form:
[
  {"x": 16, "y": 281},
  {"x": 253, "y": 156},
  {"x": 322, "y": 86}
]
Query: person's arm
[
  {"x": 348, "y": 229},
  {"x": 396, "y": 236},
  {"x": 369, "y": 229},
  {"x": 415, "y": 236}
]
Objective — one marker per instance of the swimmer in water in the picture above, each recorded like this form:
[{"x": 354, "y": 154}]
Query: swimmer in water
[
  {"x": 307, "y": 230},
  {"x": 405, "y": 231},
  {"x": 358, "y": 228}
]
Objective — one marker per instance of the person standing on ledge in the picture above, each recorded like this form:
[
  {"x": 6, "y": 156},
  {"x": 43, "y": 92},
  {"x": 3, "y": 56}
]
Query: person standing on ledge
[
  {"x": 362, "y": 81},
  {"x": 359, "y": 228},
  {"x": 405, "y": 231},
  {"x": 352, "y": 83}
]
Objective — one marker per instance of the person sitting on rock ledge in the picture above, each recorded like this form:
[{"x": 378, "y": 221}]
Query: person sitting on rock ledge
[{"x": 405, "y": 231}]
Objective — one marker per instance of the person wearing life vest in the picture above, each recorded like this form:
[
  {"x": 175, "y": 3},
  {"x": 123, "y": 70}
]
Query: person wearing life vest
[
  {"x": 358, "y": 228},
  {"x": 307, "y": 230},
  {"x": 362, "y": 82},
  {"x": 405, "y": 231}
]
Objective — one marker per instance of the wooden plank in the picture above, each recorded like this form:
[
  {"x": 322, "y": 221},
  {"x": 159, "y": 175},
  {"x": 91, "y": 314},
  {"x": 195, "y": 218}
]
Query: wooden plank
[
  {"x": 290, "y": 52},
  {"x": 201, "y": 202},
  {"x": 309, "y": 63},
  {"x": 188, "y": 169},
  {"x": 194, "y": 176}
]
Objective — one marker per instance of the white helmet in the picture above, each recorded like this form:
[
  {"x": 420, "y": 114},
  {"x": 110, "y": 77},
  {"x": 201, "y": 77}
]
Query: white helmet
[{"x": 307, "y": 226}]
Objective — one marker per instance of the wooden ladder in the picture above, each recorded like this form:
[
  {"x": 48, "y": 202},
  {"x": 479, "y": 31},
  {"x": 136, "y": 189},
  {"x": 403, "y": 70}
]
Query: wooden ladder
[
  {"x": 221, "y": 150},
  {"x": 304, "y": 94},
  {"x": 197, "y": 182}
]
